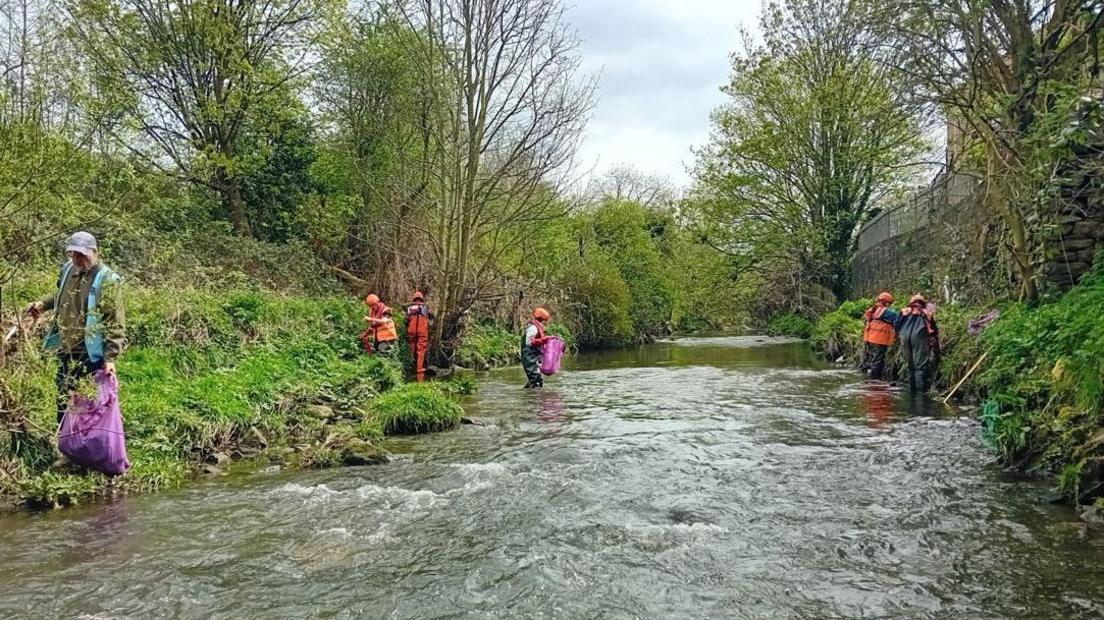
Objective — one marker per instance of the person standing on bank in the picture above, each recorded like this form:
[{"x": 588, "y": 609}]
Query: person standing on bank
[
  {"x": 531, "y": 344},
  {"x": 88, "y": 330},
  {"x": 417, "y": 332}
]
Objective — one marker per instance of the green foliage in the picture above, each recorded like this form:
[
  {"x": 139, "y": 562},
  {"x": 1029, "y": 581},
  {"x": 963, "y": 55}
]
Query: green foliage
[
  {"x": 600, "y": 302},
  {"x": 1043, "y": 379},
  {"x": 484, "y": 346},
  {"x": 621, "y": 229},
  {"x": 813, "y": 131},
  {"x": 838, "y": 334},
  {"x": 416, "y": 408},
  {"x": 791, "y": 325}
]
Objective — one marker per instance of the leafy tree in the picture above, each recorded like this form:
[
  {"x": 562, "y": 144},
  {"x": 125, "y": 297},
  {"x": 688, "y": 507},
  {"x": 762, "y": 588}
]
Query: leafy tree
[
  {"x": 189, "y": 73},
  {"x": 621, "y": 230},
  {"x": 814, "y": 135},
  {"x": 376, "y": 115}
]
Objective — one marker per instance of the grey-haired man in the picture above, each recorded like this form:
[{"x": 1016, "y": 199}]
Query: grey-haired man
[{"x": 88, "y": 330}]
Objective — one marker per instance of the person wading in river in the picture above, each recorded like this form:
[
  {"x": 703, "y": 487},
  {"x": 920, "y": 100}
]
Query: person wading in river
[
  {"x": 380, "y": 325},
  {"x": 919, "y": 336},
  {"x": 417, "y": 332},
  {"x": 878, "y": 335},
  {"x": 88, "y": 330},
  {"x": 531, "y": 344}
]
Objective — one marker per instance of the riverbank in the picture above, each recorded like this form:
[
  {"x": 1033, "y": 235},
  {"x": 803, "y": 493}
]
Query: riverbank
[
  {"x": 213, "y": 377},
  {"x": 1040, "y": 385}
]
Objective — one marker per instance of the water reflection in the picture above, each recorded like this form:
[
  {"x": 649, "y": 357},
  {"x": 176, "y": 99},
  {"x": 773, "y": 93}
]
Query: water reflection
[{"x": 879, "y": 403}]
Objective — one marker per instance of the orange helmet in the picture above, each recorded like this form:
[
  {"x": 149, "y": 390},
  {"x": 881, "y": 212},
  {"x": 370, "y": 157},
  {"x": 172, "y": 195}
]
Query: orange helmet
[
  {"x": 418, "y": 296},
  {"x": 371, "y": 299},
  {"x": 541, "y": 314},
  {"x": 917, "y": 298},
  {"x": 886, "y": 297}
]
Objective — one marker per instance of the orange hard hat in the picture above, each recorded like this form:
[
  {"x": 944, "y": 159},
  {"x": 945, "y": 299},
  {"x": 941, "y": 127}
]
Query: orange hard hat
[
  {"x": 418, "y": 296},
  {"x": 541, "y": 314},
  {"x": 917, "y": 298},
  {"x": 371, "y": 299},
  {"x": 886, "y": 297}
]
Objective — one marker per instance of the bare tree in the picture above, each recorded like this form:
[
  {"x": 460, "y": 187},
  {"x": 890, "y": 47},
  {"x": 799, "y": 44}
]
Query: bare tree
[
  {"x": 631, "y": 185},
  {"x": 507, "y": 114},
  {"x": 188, "y": 73}
]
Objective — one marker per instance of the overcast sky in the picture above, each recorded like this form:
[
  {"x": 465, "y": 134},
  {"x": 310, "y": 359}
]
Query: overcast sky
[{"x": 661, "y": 63}]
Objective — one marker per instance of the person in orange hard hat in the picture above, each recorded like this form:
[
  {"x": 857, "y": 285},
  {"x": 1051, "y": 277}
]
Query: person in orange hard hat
[
  {"x": 531, "y": 344},
  {"x": 381, "y": 327},
  {"x": 417, "y": 332},
  {"x": 878, "y": 335},
  {"x": 919, "y": 336}
]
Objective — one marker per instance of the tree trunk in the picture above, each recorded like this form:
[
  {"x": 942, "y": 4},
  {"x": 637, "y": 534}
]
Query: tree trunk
[{"x": 230, "y": 193}]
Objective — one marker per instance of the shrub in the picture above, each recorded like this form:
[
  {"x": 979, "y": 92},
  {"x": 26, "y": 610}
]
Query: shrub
[
  {"x": 486, "y": 346},
  {"x": 791, "y": 325}
]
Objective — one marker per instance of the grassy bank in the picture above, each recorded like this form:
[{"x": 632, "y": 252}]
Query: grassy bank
[
  {"x": 211, "y": 377},
  {"x": 1041, "y": 385}
]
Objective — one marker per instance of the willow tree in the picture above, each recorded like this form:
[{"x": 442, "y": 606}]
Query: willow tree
[
  {"x": 507, "y": 109},
  {"x": 1014, "y": 76},
  {"x": 188, "y": 73},
  {"x": 814, "y": 134}
]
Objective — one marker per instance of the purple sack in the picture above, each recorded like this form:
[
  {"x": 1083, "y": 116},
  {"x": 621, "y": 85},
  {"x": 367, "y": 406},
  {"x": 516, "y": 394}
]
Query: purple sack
[
  {"x": 91, "y": 433},
  {"x": 551, "y": 353}
]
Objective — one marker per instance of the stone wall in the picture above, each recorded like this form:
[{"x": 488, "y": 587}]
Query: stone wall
[{"x": 953, "y": 252}]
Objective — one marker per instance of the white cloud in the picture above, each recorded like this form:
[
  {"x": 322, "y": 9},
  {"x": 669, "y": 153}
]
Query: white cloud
[{"x": 662, "y": 63}]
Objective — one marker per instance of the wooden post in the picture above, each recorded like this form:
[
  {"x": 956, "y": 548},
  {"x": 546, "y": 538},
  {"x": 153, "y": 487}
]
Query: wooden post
[{"x": 965, "y": 377}]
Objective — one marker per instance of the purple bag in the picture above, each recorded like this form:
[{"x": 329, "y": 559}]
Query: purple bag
[
  {"x": 91, "y": 433},
  {"x": 551, "y": 353}
]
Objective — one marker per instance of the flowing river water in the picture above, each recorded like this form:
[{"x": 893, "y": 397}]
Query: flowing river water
[{"x": 705, "y": 478}]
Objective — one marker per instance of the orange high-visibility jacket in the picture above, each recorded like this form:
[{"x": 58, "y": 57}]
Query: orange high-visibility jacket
[
  {"x": 879, "y": 325},
  {"x": 385, "y": 332}
]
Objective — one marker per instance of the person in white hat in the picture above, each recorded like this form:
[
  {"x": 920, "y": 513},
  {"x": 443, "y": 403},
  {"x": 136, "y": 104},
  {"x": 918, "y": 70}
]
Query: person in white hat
[{"x": 88, "y": 329}]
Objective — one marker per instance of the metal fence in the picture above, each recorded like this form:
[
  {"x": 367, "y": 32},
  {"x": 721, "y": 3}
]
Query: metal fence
[{"x": 945, "y": 191}]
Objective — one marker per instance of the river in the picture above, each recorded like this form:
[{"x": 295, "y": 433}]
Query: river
[{"x": 735, "y": 477}]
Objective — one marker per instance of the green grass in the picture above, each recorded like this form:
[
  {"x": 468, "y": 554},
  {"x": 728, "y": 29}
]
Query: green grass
[
  {"x": 234, "y": 373},
  {"x": 415, "y": 408}
]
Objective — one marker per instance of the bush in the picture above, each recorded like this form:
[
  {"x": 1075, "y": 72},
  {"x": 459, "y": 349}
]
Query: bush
[
  {"x": 838, "y": 334},
  {"x": 791, "y": 325},
  {"x": 486, "y": 346},
  {"x": 416, "y": 408}
]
